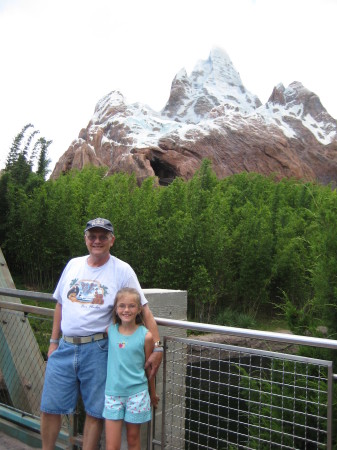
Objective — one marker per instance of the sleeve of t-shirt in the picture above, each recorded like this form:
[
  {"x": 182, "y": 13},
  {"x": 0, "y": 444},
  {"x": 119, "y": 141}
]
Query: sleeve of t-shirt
[
  {"x": 57, "y": 293},
  {"x": 131, "y": 281}
]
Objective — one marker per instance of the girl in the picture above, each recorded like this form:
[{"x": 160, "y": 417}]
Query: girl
[{"x": 127, "y": 386}]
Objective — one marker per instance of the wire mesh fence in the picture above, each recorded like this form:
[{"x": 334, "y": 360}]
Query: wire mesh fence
[
  {"x": 235, "y": 397},
  {"x": 24, "y": 341},
  {"x": 214, "y": 396}
]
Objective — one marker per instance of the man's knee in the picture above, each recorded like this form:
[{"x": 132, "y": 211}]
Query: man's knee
[
  {"x": 51, "y": 420},
  {"x": 50, "y": 428},
  {"x": 92, "y": 432},
  {"x": 94, "y": 421}
]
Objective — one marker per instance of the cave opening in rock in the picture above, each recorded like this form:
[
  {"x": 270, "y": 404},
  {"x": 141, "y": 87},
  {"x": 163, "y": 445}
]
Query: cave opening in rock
[{"x": 163, "y": 171}]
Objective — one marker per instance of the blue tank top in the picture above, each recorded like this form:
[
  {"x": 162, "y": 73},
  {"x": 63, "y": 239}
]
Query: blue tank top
[{"x": 126, "y": 360}]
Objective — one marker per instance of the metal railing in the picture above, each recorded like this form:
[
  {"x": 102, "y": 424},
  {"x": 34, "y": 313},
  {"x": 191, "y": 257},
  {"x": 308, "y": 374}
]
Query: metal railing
[
  {"x": 213, "y": 396},
  {"x": 236, "y": 397}
]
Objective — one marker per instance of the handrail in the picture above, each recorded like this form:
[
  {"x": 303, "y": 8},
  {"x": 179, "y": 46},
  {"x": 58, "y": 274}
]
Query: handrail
[
  {"x": 16, "y": 305},
  {"x": 27, "y": 294},
  {"x": 255, "y": 334},
  {"x": 242, "y": 332},
  {"x": 27, "y": 308}
]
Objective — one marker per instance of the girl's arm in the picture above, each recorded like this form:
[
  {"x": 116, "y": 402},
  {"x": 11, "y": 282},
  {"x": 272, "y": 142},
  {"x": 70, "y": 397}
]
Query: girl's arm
[{"x": 148, "y": 347}]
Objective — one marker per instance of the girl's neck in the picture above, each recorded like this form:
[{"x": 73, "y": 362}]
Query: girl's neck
[{"x": 127, "y": 328}]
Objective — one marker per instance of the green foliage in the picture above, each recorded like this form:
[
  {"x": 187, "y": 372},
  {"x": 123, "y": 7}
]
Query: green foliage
[
  {"x": 17, "y": 185},
  {"x": 42, "y": 329},
  {"x": 286, "y": 404},
  {"x": 245, "y": 243},
  {"x": 4, "y": 204},
  {"x": 324, "y": 273},
  {"x": 23, "y": 154},
  {"x": 231, "y": 318},
  {"x": 202, "y": 290},
  {"x": 240, "y": 246},
  {"x": 43, "y": 161}
]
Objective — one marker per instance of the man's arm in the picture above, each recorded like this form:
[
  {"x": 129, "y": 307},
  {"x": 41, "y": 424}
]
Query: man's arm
[
  {"x": 155, "y": 358},
  {"x": 148, "y": 347},
  {"x": 55, "y": 334}
]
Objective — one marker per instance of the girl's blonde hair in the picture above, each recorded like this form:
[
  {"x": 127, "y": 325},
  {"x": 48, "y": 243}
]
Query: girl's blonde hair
[{"x": 120, "y": 294}]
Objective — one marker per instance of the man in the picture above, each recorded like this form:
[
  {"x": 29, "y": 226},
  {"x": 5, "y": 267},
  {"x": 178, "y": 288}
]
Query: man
[{"x": 77, "y": 362}]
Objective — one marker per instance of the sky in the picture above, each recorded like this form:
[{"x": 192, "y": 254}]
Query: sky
[{"x": 60, "y": 57}]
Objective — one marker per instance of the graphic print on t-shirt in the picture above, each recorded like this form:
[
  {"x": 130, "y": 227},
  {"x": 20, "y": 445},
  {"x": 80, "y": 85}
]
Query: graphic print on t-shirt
[{"x": 87, "y": 291}]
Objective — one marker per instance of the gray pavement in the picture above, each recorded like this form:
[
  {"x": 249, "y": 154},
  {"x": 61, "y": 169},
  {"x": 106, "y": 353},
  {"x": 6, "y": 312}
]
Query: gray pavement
[{"x": 10, "y": 443}]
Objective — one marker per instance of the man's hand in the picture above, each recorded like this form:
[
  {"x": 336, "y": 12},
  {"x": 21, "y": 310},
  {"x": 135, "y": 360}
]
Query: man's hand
[
  {"x": 154, "y": 400},
  {"x": 52, "y": 348},
  {"x": 154, "y": 362}
]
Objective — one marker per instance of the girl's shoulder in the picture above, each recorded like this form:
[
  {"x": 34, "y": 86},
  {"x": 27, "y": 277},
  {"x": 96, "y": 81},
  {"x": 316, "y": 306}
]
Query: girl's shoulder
[
  {"x": 143, "y": 328},
  {"x": 112, "y": 327}
]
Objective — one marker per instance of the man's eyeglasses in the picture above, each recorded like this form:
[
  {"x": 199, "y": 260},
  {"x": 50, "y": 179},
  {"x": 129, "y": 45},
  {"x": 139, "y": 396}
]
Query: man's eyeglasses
[{"x": 100, "y": 237}]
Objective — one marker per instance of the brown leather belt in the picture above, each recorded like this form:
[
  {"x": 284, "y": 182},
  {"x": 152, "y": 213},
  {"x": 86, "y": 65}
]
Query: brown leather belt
[{"x": 85, "y": 339}]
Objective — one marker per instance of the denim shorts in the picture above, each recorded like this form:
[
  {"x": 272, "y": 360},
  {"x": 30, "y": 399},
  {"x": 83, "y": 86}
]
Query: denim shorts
[
  {"x": 74, "y": 369},
  {"x": 135, "y": 408}
]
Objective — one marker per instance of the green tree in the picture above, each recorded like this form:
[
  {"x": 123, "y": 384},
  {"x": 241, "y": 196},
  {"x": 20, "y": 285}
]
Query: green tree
[
  {"x": 17, "y": 185},
  {"x": 325, "y": 261},
  {"x": 15, "y": 149},
  {"x": 43, "y": 160}
]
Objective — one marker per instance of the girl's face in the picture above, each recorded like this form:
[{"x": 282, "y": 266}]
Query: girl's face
[{"x": 128, "y": 308}]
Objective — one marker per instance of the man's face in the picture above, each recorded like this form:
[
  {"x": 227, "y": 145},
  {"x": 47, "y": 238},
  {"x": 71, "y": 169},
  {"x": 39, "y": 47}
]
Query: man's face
[{"x": 98, "y": 241}]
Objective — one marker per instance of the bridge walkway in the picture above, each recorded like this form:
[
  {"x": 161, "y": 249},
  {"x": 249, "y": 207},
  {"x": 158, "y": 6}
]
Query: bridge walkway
[{"x": 10, "y": 443}]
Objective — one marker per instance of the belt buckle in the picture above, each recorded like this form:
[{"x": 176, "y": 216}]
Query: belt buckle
[{"x": 98, "y": 337}]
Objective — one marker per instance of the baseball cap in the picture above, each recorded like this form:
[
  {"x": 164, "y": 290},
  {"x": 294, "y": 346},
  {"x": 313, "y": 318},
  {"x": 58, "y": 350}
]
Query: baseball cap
[{"x": 100, "y": 223}]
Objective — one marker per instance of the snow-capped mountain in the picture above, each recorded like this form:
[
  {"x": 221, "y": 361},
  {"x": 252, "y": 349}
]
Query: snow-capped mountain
[
  {"x": 212, "y": 83},
  {"x": 210, "y": 114}
]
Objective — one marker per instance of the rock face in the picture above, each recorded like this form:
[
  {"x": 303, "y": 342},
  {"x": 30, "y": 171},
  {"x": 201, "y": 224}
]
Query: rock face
[{"x": 211, "y": 115}]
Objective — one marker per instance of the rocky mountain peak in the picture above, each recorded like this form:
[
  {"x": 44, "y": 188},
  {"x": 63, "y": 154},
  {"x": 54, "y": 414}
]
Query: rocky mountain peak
[
  {"x": 210, "y": 114},
  {"x": 181, "y": 91},
  {"x": 277, "y": 97},
  {"x": 109, "y": 105},
  {"x": 296, "y": 106},
  {"x": 212, "y": 83},
  {"x": 296, "y": 95}
]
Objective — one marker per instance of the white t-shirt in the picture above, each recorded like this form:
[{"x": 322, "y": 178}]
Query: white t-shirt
[{"x": 87, "y": 294}]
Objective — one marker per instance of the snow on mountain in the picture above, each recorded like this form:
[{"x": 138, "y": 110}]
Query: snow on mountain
[
  {"x": 298, "y": 103},
  {"x": 212, "y": 108},
  {"x": 212, "y": 83}
]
